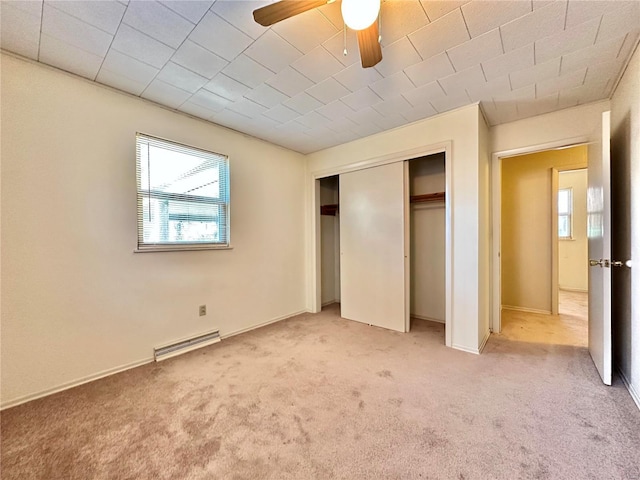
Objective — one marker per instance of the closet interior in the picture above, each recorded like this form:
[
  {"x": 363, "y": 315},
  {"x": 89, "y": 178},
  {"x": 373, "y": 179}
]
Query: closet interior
[
  {"x": 427, "y": 237},
  {"x": 330, "y": 239}
]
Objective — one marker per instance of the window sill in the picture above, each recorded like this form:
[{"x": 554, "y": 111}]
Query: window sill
[
  {"x": 181, "y": 248},
  {"x": 566, "y": 239}
]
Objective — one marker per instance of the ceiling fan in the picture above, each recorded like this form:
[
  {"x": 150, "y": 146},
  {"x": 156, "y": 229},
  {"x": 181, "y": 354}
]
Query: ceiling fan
[{"x": 359, "y": 15}]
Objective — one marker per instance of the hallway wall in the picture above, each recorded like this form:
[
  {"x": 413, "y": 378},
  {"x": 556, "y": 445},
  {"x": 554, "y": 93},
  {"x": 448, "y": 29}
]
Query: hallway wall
[{"x": 526, "y": 242}]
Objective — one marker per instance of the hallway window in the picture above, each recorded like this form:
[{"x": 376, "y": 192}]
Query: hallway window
[{"x": 565, "y": 211}]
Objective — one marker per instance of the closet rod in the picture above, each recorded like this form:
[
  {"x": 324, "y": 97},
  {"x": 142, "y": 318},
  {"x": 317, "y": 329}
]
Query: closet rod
[
  {"x": 427, "y": 197},
  {"x": 329, "y": 209}
]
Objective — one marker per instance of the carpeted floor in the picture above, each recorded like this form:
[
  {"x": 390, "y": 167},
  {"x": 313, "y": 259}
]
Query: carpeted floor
[{"x": 318, "y": 397}]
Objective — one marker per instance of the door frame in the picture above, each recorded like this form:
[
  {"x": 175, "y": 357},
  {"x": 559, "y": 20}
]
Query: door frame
[
  {"x": 315, "y": 303},
  {"x": 496, "y": 217}
]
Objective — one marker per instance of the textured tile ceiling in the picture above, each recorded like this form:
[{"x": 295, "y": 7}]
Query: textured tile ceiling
[{"x": 291, "y": 84}]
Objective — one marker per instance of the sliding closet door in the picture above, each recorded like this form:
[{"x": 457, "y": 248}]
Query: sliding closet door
[{"x": 372, "y": 246}]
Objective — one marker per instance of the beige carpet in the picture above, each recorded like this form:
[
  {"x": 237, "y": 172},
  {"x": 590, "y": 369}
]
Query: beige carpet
[{"x": 318, "y": 397}]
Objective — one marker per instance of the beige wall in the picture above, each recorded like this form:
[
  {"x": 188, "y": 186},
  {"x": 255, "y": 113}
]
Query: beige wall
[
  {"x": 625, "y": 196},
  {"x": 76, "y": 301},
  {"x": 583, "y": 121},
  {"x": 573, "y": 267},
  {"x": 427, "y": 175},
  {"x": 461, "y": 127},
  {"x": 526, "y": 242}
]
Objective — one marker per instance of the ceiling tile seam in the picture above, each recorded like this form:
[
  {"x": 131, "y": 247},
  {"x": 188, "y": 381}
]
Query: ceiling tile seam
[
  {"x": 414, "y": 47},
  {"x": 170, "y": 59},
  {"x": 338, "y": 100},
  {"x": 111, "y": 43},
  {"x": 304, "y": 55},
  {"x": 154, "y": 38},
  {"x": 170, "y": 85},
  {"x": 595, "y": 40},
  {"x": 52, "y": 5},
  {"x": 258, "y": 104},
  {"x": 327, "y": 18},
  {"x": 285, "y": 40},
  {"x": 446, "y": 53},
  {"x": 465, "y": 23},
  {"x": 145, "y": 34},
  {"x": 253, "y": 40},
  {"x": 425, "y": 13},
  {"x": 483, "y": 74},
  {"x": 40, "y": 33},
  {"x": 181, "y": 15}
]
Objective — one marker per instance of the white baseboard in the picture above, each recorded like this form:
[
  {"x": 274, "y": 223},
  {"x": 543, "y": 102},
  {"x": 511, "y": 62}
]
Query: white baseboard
[
  {"x": 526, "y": 310},
  {"x": 428, "y": 319},
  {"x": 632, "y": 391},
  {"x": 112, "y": 371},
  {"x": 330, "y": 302},
  {"x": 475, "y": 351},
  {"x": 74, "y": 383},
  {"x": 484, "y": 341},
  {"x": 571, "y": 289},
  {"x": 263, "y": 324}
]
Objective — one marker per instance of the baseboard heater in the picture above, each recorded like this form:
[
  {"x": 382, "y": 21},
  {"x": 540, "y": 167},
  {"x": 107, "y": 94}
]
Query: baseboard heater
[{"x": 186, "y": 345}]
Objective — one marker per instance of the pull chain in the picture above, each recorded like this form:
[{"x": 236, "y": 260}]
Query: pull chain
[{"x": 344, "y": 38}]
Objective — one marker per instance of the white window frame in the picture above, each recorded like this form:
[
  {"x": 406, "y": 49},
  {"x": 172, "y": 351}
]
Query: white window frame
[
  {"x": 568, "y": 214},
  {"x": 140, "y": 193}
]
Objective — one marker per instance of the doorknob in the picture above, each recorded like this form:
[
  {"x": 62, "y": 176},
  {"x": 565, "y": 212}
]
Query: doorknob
[
  {"x": 617, "y": 263},
  {"x": 595, "y": 263}
]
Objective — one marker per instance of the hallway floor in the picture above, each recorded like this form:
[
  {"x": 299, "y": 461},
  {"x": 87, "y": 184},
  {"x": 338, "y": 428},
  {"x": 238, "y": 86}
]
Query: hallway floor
[{"x": 570, "y": 327}]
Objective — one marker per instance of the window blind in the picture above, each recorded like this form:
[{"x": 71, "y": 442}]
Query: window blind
[{"x": 183, "y": 194}]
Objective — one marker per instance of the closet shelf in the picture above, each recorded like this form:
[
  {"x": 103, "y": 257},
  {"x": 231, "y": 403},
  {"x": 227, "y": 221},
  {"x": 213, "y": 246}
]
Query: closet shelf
[
  {"x": 329, "y": 210},
  {"x": 427, "y": 197}
]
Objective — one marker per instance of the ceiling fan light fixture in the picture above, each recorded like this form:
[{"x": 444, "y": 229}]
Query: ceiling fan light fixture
[{"x": 360, "y": 14}]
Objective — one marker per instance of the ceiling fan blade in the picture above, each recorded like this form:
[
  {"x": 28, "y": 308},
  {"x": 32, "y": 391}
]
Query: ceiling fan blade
[
  {"x": 370, "y": 51},
  {"x": 270, "y": 14}
]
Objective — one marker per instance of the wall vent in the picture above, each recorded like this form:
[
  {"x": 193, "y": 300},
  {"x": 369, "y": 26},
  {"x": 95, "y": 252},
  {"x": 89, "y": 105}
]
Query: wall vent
[{"x": 186, "y": 345}]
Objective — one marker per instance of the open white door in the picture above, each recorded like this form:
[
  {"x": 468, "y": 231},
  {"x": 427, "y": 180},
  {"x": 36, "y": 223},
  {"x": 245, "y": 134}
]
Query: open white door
[
  {"x": 599, "y": 236},
  {"x": 372, "y": 246}
]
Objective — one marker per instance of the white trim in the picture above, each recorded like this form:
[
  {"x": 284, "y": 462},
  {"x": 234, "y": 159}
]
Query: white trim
[
  {"x": 74, "y": 383},
  {"x": 496, "y": 194},
  {"x": 575, "y": 290},
  {"x": 330, "y": 302},
  {"x": 428, "y": 319},
  {"x": 555, "y": 246},
  {"x": 484, "y": 341},
  {"x": 180, "y": 248},
  {"x": 385, "y": 159},
  {"x": 314, "y": 186},
  {"x": 632, "y": 391},
  {"x": 263, "y": 324},
  {"x": 527, "y": 310},
  {"x": 475, "y": 351},
  {"x": 112, "y": 371}
]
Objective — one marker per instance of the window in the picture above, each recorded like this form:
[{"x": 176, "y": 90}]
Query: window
[
  {"x": 565, "y": 210},
  {"x": 183, "y": 196}
]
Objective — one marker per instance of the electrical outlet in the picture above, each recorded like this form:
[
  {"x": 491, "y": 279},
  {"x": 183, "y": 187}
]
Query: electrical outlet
[{"x": 203, "y": 310}]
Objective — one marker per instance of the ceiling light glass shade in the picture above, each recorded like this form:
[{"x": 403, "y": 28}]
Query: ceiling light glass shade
[{"x": 360, "y": 14}]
